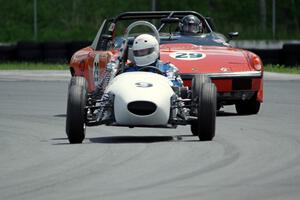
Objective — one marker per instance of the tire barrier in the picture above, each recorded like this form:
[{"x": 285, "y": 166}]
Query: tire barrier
[
  {"x": 7, "y": 52},
  {"x": 269, "y": 56},
  {"x": 55, "y": 52},
  {"x": 61, "y": 52},
  {"x": 291, "y": 54},
  {"x": 29, "y": 51}
]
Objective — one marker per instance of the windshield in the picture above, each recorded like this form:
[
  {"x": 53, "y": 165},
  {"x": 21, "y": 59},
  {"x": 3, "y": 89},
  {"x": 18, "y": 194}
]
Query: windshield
[
  {"x": 111, "y": 37},
  {"x": 203, "y": 40}
]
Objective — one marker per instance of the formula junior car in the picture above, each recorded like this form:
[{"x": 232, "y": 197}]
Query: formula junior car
[
  {"x": 143, "y": 98},
  {"x": 237, "y": 73}
]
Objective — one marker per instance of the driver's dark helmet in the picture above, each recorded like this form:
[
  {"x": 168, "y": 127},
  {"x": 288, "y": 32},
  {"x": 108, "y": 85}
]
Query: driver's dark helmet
[{"x": 190, "y": 24}]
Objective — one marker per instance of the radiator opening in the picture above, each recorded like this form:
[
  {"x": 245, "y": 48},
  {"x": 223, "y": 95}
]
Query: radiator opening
[{"x": 141, "y": 107}]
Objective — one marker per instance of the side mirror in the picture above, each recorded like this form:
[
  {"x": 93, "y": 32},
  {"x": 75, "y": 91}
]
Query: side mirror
[{"x": 233, "y": 35}]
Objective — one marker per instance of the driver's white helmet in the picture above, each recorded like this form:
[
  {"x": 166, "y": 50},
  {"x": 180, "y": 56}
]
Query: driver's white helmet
[{"x": 145, "y": 50}]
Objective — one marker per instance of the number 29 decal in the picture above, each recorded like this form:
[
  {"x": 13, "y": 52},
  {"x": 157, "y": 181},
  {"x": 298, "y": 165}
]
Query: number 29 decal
[{"x": 187, "y": 55}]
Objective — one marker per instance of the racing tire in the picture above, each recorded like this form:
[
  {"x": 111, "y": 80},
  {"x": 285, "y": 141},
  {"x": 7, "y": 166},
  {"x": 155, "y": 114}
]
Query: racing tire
[
  {"x": 75, "y": 120},
  {"x": 205, "y": 124},
  {"x": 79, "y": 81},
  {"x": 197, "y": 83},
  {"x": 248, "y": 107}
]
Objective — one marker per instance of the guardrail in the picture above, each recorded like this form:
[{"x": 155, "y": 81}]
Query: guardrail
[
  {"x": 61, "y": 52},
  {"x": 288, "y": 55},
  {"x": 54, "y": 52}
]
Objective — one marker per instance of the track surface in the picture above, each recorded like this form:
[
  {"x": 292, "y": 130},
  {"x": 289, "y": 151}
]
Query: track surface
[{"x": 251, "y": 157}]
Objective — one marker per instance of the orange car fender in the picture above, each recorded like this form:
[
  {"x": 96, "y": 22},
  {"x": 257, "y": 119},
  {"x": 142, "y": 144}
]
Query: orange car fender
[
  {"x": 90, "y": 64},
  {"x": 97, "y": 66}
]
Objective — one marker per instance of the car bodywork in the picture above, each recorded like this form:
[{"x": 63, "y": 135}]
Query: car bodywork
[{"x": 237, "y": 73}]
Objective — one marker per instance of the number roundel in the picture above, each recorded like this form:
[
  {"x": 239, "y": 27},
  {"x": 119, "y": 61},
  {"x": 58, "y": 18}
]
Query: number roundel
[{"x": 187, "y": 55}]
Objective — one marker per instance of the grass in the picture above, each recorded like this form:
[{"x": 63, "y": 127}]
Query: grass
[
  {"x": 49, "y": 66},
  {"x": 282, "y": 69},
  {"x": 32, "y": 66},
  {"x": 80, "y": 20}
]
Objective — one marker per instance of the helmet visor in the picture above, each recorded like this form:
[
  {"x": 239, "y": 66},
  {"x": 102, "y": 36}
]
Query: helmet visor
[
  {"x": 191, "y": 28},
  {"x": 143, "y": 52}
]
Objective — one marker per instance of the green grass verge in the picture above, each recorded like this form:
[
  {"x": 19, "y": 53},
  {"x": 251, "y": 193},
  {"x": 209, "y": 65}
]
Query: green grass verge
[
  {"x": 32, "y": 66},
  {"x": 49, "y": 66},
  {"x": 282, "y": 69}
]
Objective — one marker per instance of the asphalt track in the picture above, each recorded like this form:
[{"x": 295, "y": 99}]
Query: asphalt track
[{"x": 252, "y": 157}]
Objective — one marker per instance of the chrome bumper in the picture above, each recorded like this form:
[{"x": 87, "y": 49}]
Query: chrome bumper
[{"x": 246, "y": 74}]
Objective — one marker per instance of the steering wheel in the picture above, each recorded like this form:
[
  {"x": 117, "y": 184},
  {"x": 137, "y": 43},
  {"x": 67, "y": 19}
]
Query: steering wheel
[{"x": 151, "y": 69}]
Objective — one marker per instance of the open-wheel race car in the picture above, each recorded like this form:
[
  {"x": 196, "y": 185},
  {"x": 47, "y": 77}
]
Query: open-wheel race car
[{"x": 102, "y": 92}]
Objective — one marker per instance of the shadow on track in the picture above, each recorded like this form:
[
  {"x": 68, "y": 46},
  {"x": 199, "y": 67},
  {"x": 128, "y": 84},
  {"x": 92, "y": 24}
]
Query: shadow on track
[
  {"x": 131, "y": 139},
  {"x": 122, "y": 139},
  {"x": 226, "y": 114},
  {"x": 60, "y": 115}
]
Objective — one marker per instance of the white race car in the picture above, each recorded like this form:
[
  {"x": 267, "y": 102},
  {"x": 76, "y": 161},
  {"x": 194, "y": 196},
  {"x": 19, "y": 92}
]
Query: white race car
[{"x": 143, "y": 98}]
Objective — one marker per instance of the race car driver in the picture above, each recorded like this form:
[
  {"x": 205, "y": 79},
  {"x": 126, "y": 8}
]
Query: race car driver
[
  {"x": 190, "y": 25},
  {"x": 146, "y": 53}
]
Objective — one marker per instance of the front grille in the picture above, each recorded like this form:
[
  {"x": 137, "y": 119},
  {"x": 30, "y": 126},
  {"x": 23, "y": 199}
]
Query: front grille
[
  {"x": 141, "y": 107},
  {"x": 242, "y": 84}
]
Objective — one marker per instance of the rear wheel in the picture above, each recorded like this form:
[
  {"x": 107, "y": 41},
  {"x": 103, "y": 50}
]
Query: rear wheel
[
  {"x": 75, "y": 121},
  {"x": 248, "y": 107}
]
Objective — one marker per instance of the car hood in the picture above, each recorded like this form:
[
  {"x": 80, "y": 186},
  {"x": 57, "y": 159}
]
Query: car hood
[{"x": 189, "y": 58}]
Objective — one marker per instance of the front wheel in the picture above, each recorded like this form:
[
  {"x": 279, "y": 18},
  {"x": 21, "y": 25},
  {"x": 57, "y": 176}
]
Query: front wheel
[
  {"x": 205, "y": 124},
  {"x": 75, "y": 121},
  {"x": 197, "y": 83}
]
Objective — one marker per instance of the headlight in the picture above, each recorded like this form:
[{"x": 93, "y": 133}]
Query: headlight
[{"x": 257, "y": 63}]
